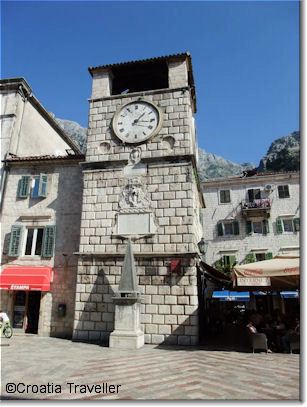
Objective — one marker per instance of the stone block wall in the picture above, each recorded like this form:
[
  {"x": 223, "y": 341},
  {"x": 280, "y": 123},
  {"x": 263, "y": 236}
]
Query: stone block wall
[
  {"x": 174, "y": 138},
  {"x": 169, "y": 300},
  {"x": 171, "y": 192}
]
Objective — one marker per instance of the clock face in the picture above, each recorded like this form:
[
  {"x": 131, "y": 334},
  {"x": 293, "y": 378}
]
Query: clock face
[{"x": 137, "y": 121}]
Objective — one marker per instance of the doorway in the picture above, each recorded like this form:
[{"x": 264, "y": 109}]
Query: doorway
[
  {"x": 34, "y": 298},
  {"x": 26, "y": 310}
]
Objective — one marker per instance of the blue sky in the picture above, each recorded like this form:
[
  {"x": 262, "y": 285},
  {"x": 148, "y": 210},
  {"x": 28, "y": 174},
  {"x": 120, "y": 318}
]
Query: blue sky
[{"x": 245, "y": 59}]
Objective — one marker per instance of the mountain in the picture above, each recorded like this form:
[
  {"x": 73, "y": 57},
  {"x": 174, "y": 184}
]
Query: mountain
[
  {"x": 75, "y": 131},
  {"x": 214, "y": 166},
  {"x": 283, "y": 154}
]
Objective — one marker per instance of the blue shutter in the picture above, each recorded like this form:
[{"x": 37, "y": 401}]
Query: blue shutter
[
  {"x": 15, "y": 241},
  {"x": 23, "y": 186},
  {"x": 48, "y": 241},
  {"x": 42, "y": 189}
]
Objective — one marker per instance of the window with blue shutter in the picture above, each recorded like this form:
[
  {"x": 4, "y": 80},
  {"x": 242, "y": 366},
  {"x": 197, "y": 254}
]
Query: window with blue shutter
[
  {"x": 39, "y": 189},
  {"x": 23, "y": 186},
  {"x": 42, "y": 191},
  {"x": 15, "y": 241},
  {"x": 48, "y": 241}
]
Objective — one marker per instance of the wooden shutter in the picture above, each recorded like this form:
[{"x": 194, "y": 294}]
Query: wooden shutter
[
  {"x": 296, "y": 223},
  {"x": 248, "y": 227},
  {"x": 48, "y": 241},
  {"x": 220, "y": 229},
  {"x": 268, "y": 255},
  {"x": 232, "y": 261},
  {"x": 250, "y": 258},
  {"x": 265, "y": 224},
  {"x": 15, "y": 241},
  {"x": 279, "y": 228},
  {"x": 236, "y": 227},
  {"x": 250, "y": 195},
  {"x": 42, "y": 189},
  {"x": 219, "y": 264},
  {"x": 23, "y": 186}
]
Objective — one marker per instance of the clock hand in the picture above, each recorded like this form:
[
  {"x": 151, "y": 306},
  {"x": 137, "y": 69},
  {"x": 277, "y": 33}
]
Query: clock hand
[{"x": 136, "y": 120}]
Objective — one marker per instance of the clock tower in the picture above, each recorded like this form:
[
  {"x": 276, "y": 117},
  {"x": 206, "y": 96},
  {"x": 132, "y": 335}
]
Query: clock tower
[{"x": 141, "y": 185}]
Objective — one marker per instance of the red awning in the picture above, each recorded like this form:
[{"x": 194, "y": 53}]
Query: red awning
[{"x": 27, "y": 278}]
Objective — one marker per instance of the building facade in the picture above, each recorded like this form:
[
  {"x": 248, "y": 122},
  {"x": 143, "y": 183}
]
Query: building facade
[
  {"x": 41, "y": 206},
  {"x": 251, "y": 218}
]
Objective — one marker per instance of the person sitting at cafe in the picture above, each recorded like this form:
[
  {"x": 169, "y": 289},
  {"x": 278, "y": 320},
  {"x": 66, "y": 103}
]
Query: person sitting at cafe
[
  {"x": 285, "y": 339},
  {"x": 253, "y": 330}
]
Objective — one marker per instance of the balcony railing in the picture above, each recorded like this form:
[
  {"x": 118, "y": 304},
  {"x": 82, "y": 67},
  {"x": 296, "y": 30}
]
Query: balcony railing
[
  {"x": 258, "y": 207},
  {"x": 257, "y": 204}
]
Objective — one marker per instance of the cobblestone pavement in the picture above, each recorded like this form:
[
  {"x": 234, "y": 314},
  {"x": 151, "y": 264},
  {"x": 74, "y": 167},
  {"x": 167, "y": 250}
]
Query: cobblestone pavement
[{"x": 148, "y": 373}]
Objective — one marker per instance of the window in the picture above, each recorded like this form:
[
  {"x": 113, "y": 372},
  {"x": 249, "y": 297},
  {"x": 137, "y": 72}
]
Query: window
[
  {"x": 287, "y": 225},
  {"x": 253, "y": 194},
  {"x": 283, "y": 191},
  {"x": 224, "y": 196},
  {"x": 257, "y": 227},
  {"x": 37, "y": 185},
  {"x": 35, "y": 241},
  {"x": 251, "y": 257},
  {"x": 225, "y": 263},
  {"x": 260, "y": 256},
  {"x": 228, "y": 228}
]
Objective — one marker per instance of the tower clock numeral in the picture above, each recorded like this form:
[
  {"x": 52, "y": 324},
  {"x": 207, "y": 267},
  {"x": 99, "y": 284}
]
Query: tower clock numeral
[
  {"x": 150, "y": 127},
  {"x": 136, "y": 107},
  {"x": 121, "y": 130}
]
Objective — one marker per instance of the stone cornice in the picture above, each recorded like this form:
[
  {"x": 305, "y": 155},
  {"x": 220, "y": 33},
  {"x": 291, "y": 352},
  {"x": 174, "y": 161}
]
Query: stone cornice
[
  {"x": 141, "y": 93},
  {"x": 111, "y": 255}
]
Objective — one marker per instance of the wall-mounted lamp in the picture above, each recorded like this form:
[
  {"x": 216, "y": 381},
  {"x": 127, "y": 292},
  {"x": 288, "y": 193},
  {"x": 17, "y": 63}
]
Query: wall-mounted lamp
[{"x": 202, "y": 246}]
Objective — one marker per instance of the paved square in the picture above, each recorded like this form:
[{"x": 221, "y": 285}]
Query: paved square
[{"x": 148, "y": 373}]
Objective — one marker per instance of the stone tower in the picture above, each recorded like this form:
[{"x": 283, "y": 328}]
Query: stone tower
[{"x": 140, "y": 182}]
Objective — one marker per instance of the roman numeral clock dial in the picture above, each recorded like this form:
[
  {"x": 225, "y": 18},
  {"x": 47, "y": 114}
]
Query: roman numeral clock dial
[{"x": 137, "y": 121}]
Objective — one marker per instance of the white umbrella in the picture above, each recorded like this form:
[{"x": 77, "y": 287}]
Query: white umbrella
[{"x": 284, "y": 270}]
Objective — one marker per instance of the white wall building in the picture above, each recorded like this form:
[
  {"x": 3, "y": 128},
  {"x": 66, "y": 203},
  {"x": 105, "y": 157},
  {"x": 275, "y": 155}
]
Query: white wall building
[{"x": 251, "y": 218}]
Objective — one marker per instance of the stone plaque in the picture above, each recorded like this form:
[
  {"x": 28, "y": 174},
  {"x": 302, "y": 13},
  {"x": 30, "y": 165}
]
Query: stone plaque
[{"x": 129, "y": 224}]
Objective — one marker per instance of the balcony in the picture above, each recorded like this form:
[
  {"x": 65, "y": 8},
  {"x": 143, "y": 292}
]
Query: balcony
[{"x": 256, "y": 208}]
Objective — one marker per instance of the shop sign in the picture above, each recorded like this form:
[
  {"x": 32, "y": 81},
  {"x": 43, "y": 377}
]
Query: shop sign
[
  {"x": 253, "y": 281},
  {"x": 19, "y": 287}
]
